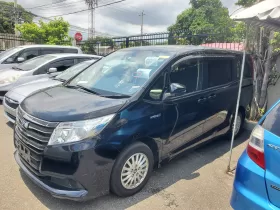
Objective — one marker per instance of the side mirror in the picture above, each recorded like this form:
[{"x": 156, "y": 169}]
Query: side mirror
[
  {"x": 155, "y": 94},
  {"x": 52, "y": 70},
  {"x": 20, "y": 59},
  {"x": 175, "y": 90}
]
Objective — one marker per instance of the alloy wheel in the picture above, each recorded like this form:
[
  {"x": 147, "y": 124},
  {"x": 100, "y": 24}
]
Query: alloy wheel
[
  {"x": 134, "y": 171},
  {"x": 238, "y": 124}
]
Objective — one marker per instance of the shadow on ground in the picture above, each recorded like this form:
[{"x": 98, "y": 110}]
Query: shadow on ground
[
  {"x": 180, "y": 168},
  {"x": 10, "y": 124}
]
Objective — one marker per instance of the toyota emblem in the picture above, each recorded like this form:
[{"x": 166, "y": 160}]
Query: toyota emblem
[{"x": 26, "y": 125}]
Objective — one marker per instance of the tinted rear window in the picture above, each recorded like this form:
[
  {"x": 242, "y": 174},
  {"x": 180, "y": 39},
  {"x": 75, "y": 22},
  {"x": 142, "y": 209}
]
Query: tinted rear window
[
  {"x": 70, "y": 50},
  {"x": 248, "y": 70},
  {"x": 46, "y": 51},
  {"x": 272, "y": 121},
  {"x": 219, "y": 72}
]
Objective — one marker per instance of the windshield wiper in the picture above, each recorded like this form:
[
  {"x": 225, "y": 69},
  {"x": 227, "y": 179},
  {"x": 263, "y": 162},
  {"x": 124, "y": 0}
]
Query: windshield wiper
[
  {"x": 16, "y": 68},
  {"x": 82, "y": 88},
  {"x": 59, "y": 79},
  {"x": 116, "y": 96}
]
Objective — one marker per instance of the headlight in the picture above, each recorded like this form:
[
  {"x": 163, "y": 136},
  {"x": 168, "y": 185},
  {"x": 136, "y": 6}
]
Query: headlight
[
  {"x": 68, "y": 132},
  {"x": 9, "y": 80}
]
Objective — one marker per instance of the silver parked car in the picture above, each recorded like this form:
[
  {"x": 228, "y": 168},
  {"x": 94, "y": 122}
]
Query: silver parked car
[
  {"x": 16, "y": 55},
  {"x": 37, "y": 68},
  {"x": 13, "y": 98}
]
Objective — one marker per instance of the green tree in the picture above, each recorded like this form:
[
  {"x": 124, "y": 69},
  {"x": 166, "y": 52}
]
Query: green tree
[
  {"x": 238, "y": 32},
  {"x": 90, "y": 45},
  {"x": 52, "y": 32},
  {"x": 246, "y": 3},
  {"x": 7, "y": 20},
  {"x": 203, "y": 17},
  {"x": 266, "y": 45}
]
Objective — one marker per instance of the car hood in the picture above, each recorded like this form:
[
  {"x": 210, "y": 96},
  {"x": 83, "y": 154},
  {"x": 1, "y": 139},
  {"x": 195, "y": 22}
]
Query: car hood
[
  {"x": 60, "y": 104},
  {"x": 27, "y": 79},
  {"x": 5, "y": 66},
  {"x": 19, "y": 93}
]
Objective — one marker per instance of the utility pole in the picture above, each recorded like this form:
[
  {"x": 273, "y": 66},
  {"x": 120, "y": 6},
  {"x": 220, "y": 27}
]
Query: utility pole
[
  {"x": 16, "y": 16},
  {"x": 92, "y": 4},
  {"x": 142, "y": 22}
]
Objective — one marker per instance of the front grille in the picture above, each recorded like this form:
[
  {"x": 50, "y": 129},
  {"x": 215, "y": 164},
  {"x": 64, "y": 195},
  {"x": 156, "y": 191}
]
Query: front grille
[
  {"x": 11, "y": 103},
  {"x": 32, "y": 134}
]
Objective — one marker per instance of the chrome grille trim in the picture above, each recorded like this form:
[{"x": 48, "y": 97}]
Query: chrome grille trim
[
  {"x": 11, "y": 103},
  {"x": 34, "y": 135},
  {"x": 36, "y": 120}
]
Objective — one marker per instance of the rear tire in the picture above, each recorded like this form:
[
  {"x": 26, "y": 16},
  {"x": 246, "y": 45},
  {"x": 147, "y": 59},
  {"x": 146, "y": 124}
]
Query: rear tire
[
  {"x": 239, "y": 125},
  {"x": 132, "y": 170}
]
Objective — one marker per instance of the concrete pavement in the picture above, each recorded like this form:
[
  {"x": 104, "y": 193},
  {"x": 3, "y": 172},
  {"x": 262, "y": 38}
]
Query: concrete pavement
[{"x": 196, "y": 180}]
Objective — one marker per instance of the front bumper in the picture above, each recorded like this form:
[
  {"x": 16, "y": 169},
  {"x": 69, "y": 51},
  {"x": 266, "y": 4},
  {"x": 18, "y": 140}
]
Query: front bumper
[
  {"x": 73, "y": 195},
  {"x": 87, "y": 167}
]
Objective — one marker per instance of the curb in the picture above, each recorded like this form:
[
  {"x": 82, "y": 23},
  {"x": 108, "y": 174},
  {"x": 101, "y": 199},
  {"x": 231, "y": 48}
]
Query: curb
[{"x": 249, "y": 125}]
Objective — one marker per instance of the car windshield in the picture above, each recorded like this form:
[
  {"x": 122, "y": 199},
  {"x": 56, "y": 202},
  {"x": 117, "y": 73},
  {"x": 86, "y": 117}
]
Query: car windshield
[
  {"x": 72, "y": 71},
  {"x": 35, "y": 62},
  {"x": 9, "y": 52},
  {"x": 123, "y": 72}
]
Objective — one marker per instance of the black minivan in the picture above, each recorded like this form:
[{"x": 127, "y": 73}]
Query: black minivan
[{"x": 107, "y": 128}]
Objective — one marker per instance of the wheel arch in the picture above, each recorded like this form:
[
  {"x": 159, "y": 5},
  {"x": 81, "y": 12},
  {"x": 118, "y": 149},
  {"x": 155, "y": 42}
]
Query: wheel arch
[
  {"x": 151, "y": 143},
  {"x": 242, "y": 110}
]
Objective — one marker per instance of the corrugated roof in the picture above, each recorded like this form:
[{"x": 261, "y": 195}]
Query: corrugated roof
[
  {"x": 265, "y": 13},
  {"x": 228, "y": 46}
]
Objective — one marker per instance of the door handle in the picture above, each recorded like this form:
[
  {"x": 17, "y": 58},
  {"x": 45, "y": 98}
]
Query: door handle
[
  {"x": 201, "y": 100},
  {"x": 212, "y": 96}
]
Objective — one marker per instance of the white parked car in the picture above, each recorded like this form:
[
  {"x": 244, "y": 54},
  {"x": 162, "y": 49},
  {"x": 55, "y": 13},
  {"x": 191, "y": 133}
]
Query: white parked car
[
  {"x": 16, "y": 55},
  {"x": 13, "y": 98},
  {"x": 37, "y": 68}
]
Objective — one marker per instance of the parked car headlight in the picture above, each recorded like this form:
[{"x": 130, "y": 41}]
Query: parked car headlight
[
  {"x": 9, "y": 80},
  {"x": 67, "y": 132}
]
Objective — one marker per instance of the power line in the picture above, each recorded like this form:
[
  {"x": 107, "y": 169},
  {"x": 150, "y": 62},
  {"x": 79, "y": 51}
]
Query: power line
[
  {"x": 44, "y": 5},
  {"x": 59, "y": 6},
  {"x": 104, "y": 5},
  {"x": 23, "y": 10},
  {"x": 125, "y": 9}
]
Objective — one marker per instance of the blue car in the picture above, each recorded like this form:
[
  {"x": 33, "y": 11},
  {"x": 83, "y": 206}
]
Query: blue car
[{"x": 257, "y": 179}]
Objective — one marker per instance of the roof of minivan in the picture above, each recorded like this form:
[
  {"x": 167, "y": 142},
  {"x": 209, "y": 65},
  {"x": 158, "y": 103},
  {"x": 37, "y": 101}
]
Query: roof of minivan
[
  {"x": 52, "y": 46},
  {"x": 63, "y": 55},
  {"x": 184, "y": 49}
]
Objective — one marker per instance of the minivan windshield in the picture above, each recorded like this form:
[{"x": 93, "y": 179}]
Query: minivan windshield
[
  {"x": 123, "y": 72},
  {"x": 10, "y": 52},
  {"x": 35, "y": 62},
  {"x": 72, "y": 71}
]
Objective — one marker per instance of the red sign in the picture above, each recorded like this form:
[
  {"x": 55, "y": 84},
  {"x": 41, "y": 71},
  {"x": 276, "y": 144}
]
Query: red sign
[{"x": 78, "y": 37}]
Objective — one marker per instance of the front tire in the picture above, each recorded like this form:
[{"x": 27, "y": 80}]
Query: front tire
[{"x": 132, "y": 170}]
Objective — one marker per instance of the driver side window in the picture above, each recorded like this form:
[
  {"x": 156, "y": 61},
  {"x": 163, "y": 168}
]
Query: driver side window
[
  {"x": 62, "y": 64},
  {"x": 186, "y": 73},
  {"x": 12, "y": 58},
  {"x": 29, "y": 53}
]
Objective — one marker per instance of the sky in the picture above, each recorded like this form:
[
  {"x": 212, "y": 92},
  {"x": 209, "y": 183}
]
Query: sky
[{"x": 119, "y": 19}]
